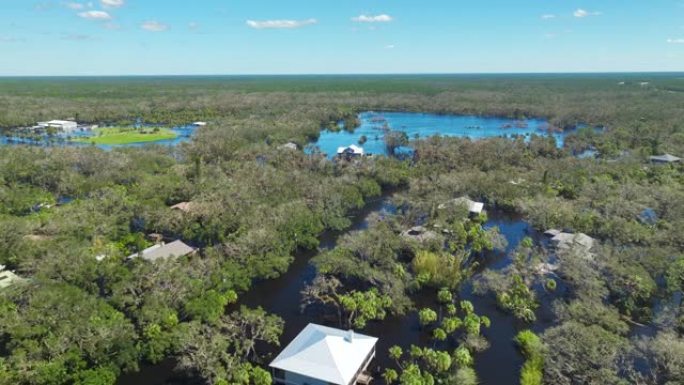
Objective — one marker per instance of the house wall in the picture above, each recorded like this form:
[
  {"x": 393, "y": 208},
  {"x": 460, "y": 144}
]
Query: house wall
[{"x": 298, "y": 379}]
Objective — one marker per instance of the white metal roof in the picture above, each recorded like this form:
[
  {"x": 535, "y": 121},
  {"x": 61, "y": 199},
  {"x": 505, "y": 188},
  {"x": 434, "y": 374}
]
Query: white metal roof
[
  {"x": 473, "y": 207},
  {"x": 665, "y": 158},
  {"x": 327, "y": 354},
  {"x": 59, "y": 122},
  {"x": 353, "y": 148}
]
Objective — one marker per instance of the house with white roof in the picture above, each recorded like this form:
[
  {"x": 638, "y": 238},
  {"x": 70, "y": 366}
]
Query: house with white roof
[
  {"x": 473, "y": 207},
  {"x": 162, "y": 251},
  {"x": 322, "y": 355},
  {"x": 60, "y": 125},
  {"x": 665, "y": 158},
  {"x": 349, "y": 152}
]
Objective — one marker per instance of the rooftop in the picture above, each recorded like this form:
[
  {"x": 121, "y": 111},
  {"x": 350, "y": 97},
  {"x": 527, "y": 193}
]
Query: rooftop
[
  {"x": 328, "y": 354},
  {"x": 665, "y": 158},
  {"x": 162, "y": 251},
  {"x": 473, "y": 207},
  {"x": 353, "y": 149}
]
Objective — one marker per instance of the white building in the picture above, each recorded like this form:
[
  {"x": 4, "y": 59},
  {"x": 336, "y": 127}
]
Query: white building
[
  {"x": 473, "y": 207},
  {"x": 352, "y": 150},
  {"x": 321, "y": 355},
  {"x": 61, "y": 125}
]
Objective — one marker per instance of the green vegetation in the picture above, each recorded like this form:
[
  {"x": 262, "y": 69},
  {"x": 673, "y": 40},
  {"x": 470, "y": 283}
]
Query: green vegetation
[
  {"x": 81, "y": 319},
  {"x": 123, "y": 135},
  {"x": 533, "y": 350}
]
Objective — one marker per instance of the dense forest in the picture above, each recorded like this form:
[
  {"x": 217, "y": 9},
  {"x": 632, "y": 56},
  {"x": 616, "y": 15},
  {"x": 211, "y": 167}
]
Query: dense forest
[{"x": 84, "y": 313}]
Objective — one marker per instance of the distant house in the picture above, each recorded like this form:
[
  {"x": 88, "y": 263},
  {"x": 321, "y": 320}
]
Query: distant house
[
  {"x": 563, "y": 241},
  {"x": 419, "y": 233},
  {"x": 473, "y": 207},
  {"x": 199, "y": 124},
  {"x": 60, "y": 125},
  {"x": 8, "y": 278},
  {"x": 289, "y": 146},
  {"x": 350, "y": 152},
  {"x": 162, "y": 251},
  {"x": 665, "y": 158},
  {"x": 185, "y": 207},
  {"x": 321, "y": 355}
]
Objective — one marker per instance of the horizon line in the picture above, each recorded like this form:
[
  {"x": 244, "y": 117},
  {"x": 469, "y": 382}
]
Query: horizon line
[{"x": 349, "y": 74}]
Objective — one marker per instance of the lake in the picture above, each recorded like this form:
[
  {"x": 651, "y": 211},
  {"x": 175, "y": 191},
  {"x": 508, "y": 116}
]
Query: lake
[{"x": 416, "y": 125}]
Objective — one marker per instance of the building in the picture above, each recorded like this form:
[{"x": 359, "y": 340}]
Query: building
[
  {"x": 350, "y": 152},
  {"x": 162, "y": 251},
  {"x": 185, "y": 207},
  {"x": 420, "y": 234},
  {"x": 199, "y": 124},
  {"x": 8, "y": 278},
  {"x": 321, "y": 355},
  {"x": 577, "y": 242},
  {"x": 473, "y": 207},
  {"x": 60, "y": 125},
  {"x": 666, "y": 158},
  {"x": 289, "y": 146}
]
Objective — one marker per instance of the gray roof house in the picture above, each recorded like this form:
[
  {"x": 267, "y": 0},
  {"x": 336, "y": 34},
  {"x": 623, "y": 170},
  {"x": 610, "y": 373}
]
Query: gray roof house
[
  {"x": 162, "y": 251},
  {"x": 578, "y": 242},
  {"x": 665, "y": 158}
]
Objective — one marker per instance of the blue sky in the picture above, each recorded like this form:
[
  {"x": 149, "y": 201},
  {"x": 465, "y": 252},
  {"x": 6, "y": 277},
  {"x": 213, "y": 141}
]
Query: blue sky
[{"x": 145, "y": 37}]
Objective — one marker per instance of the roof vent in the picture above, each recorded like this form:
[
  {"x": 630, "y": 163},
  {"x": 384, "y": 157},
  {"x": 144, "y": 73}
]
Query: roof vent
[{"x": 350, "y": 336}]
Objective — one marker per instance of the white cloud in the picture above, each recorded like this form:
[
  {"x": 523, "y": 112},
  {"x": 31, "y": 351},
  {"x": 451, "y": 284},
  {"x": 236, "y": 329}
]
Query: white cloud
[
  {"x": 112, "y": 3},
  {"x": 390, "y": 46},
  {"x": 280, "y": 24},
  {"x": 154, "y": 26},
  {"x": 95, "y": 15},
  {"x": 548, "y": 16},
  {"x": 584, "y": 13},
  {"x": 193, "y": 25},
  {"x": 75, "y": 6},
  {"x": 676, "y": 41},
  {"x": 383, "y": 18}
]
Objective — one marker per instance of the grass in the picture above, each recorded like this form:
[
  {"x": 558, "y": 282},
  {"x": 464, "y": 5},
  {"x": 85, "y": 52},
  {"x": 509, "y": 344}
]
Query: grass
[{"x": 127, "y": 135}]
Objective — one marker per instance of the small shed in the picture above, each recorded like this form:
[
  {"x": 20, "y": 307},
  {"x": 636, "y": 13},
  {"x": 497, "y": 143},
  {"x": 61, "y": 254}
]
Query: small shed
[
  {"x": 665, "y": 158},
  {"x": 322, "y": 355},
  {"x": 174, "y": 249},
  {"x": 199, "y": 124}
]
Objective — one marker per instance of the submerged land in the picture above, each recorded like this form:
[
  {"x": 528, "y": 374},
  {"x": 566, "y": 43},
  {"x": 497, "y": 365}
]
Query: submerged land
[
  {"x": 572, "y": 274},
  {"x": 126, "y": 135}
]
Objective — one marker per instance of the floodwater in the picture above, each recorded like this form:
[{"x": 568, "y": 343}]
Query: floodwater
[
  {"x": 373, "y": 126},
  {"x": 500, "y": 364},
  {"x": 184, "y": 133}
]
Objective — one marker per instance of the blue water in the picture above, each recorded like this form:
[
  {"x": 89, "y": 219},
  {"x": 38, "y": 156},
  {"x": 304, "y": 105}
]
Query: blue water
[
  {"x": 60, "y": 140},
  {"x": 420, "y": 125}
]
